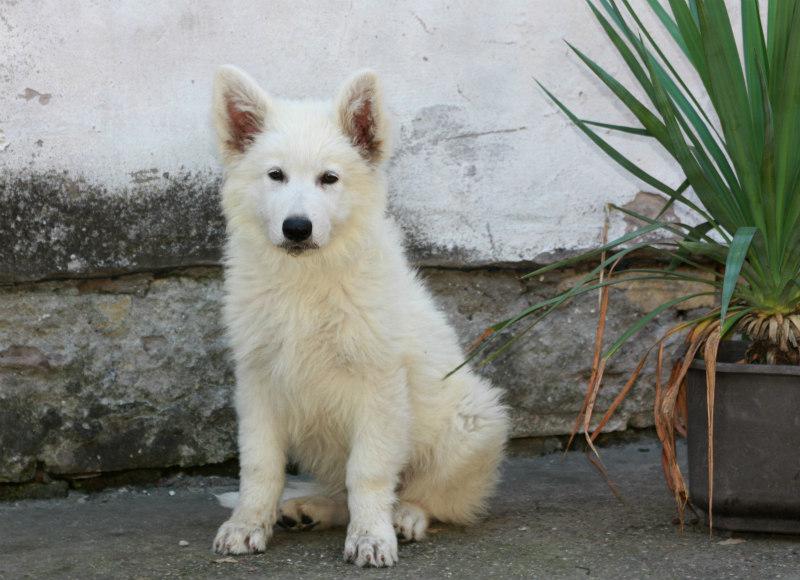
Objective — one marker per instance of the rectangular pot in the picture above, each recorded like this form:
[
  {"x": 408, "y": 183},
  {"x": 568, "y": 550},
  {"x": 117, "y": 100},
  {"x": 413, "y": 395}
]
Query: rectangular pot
[{"x": 756, "y": 443}]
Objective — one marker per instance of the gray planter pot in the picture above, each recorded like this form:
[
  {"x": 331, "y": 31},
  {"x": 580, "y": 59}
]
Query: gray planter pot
[{"x": 756, "y": 443}]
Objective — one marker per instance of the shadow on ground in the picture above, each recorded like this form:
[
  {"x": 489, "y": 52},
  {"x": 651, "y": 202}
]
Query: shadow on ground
[{"x": 552, "y": 518}]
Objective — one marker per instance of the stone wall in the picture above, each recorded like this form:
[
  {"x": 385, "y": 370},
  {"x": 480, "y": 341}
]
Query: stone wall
[{"x": 116, "y": 373}]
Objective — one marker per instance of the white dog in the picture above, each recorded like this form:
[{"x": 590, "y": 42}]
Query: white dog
[{"x": 340, "y": 351}]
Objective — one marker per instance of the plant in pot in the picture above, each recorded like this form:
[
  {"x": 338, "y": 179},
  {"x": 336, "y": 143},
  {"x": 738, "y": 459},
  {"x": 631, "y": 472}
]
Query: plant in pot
[{"x": 739, "y": 401}]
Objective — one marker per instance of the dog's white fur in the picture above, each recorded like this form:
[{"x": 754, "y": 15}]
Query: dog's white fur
[{"x": 339, "y": 349}]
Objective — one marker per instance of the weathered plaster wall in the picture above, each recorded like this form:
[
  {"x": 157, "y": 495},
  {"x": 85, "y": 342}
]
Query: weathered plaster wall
[{"x": 109, "y": 103}]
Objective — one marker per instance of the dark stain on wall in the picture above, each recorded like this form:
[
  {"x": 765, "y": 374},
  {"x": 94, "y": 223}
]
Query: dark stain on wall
[{"x": 54, "y": 225}]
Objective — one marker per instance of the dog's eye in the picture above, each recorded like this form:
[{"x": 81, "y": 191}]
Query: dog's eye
[
  {"x": 276, "y": 175},
  {"x": 328, "y": 178}
]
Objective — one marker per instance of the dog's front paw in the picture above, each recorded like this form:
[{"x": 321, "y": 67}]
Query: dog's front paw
[
  {"x": 371, "y": 549},
  {"x": 237, "y": 537}
]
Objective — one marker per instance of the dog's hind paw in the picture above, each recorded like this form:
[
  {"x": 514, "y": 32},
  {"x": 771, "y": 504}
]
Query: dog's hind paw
[
  {"x": 371, "y": 550},
  {"x": 312, "y": 513},
  {"x": 410, "y": 522},
  {"x": 241, "y": 538}
]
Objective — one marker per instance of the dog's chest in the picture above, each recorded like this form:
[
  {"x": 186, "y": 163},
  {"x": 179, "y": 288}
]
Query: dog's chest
[{"x": 314, "y": 333}]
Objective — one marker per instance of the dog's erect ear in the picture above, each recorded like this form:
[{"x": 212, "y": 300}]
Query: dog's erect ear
[
  {"x": 360, "y": 112},
  {"x": 241, "y": 108}
]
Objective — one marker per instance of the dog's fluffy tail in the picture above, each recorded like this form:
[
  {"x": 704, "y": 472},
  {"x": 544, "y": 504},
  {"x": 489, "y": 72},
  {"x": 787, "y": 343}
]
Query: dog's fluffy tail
[{"x": 294, "y": 488}]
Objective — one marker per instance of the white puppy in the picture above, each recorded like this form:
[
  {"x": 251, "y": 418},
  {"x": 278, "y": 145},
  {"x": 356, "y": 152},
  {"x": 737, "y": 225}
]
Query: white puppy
[{"x": 340, "y": 351}]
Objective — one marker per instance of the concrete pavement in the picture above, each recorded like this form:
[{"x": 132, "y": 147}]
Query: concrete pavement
[{"x": 552, "y": 518}]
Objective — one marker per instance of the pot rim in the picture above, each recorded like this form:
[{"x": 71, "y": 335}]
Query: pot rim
[
  {"x": 750, "y": 369},
  {"x": 734, "y": 350}
]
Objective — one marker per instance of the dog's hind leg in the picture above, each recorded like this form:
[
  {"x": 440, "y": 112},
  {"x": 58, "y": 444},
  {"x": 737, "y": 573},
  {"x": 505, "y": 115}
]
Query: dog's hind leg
[
  {"x": 304, "y": 505},
  {"x": 314, "y": 512},
  {"x": 453, "y": 484}
]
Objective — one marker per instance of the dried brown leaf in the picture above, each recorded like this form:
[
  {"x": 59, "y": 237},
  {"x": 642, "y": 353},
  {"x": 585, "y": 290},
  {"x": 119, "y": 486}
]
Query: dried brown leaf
[{"x": 710, "y": 356}]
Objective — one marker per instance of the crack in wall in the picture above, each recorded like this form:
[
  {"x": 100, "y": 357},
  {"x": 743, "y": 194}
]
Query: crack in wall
[{"x": 476, "y": 134}]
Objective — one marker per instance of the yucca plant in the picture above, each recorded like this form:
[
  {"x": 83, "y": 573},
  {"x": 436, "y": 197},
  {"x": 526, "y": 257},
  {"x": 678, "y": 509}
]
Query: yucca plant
[{"x": 741, "y": 158}]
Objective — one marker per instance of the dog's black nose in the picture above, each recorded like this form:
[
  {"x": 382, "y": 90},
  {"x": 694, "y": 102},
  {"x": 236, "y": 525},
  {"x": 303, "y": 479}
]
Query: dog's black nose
[{"x": 297, "y": 228}]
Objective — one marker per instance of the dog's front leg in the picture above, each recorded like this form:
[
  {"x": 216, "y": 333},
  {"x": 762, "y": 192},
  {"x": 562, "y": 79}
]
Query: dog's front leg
[
  {"x": 262, "y": 459},
  {"x": 380, "y": 446}
]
